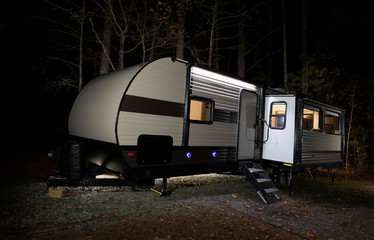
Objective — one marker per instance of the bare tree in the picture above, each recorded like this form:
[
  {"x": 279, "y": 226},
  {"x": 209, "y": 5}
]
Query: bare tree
[
  {"x": 181, "y": 15},
  {"x": 107, "y": 39},
  {"x": 352, "y": 105},
  {"x": 247, "y": 22},
  {"x": 75, "y": 31},
  {"x": 241, "y": 40},
  {"x": 121, "y": 30},
  {"x": 81, "y": 34},
  {"x": 217, "y": 14},
  {"x": 270, "y": 43},
  {"x": 304, "y": 40},
  {"x": 119, "y": 21},
  {"x": 105, "y": 54},
  {"x": 152, "y": 27}
]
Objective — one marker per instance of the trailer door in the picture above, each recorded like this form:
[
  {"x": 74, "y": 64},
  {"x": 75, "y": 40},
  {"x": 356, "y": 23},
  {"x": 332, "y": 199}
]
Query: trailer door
[
  {"x": 247, "y": 125},
  {"x": 279, "y": 130}
]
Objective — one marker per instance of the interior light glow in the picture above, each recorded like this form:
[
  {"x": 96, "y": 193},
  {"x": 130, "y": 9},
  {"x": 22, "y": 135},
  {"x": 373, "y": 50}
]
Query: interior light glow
[{"x": 188, "y": 155}]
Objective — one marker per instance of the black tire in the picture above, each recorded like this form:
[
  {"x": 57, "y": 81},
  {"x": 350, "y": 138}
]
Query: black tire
[{"x": 72, "y": 164}]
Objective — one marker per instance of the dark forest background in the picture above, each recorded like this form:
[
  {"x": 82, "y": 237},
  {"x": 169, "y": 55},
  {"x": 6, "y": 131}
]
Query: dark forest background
[{"x": 52, "y": 48}]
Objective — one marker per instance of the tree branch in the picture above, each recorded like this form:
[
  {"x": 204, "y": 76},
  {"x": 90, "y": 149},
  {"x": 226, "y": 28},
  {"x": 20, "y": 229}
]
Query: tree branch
[{"x": 102, "y": 45}]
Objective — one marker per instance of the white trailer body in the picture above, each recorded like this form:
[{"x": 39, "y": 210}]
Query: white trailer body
[{"x": 170, "y": 118}]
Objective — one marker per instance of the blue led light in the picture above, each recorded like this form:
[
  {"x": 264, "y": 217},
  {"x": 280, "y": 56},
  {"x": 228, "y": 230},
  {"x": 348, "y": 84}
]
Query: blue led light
[
  {"x": 189, "y": 155},
  {"x": 214, "y": 154}
]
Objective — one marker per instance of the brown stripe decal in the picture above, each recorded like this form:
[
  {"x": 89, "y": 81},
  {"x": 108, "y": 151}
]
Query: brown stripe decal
[{"x": 152, "y": 106}]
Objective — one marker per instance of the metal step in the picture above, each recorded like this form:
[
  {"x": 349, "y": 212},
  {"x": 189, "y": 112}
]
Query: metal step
[
  {"x": 270, "y": 190},
  {"x": 255, "y": 169},
  {"x": 261, "y": 180}
]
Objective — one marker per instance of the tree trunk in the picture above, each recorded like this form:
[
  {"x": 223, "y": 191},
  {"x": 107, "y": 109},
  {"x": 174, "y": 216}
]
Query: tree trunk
[
  {"x": 107, "y": 41},
  {"x": 211, "y": 41},
  {"x": 80, "y": 81},
  {"x": 211, "y": 37},
  {"x": 153, "y": 46},
  {"x": 241, "y": 43},
  {"x": 241, "y": 52},
  {"x": 181, "y": 23},
  {"x": 123, "y": 32},
  {"x": 349, "y": 128},
  {"x": 304, "y": 42},
  {"x": 216, "y": 49},
  {"x": 270, "y": 44},
  {"x": 121, "y": 51},
  {"x": 144, "y": 48},
  {"x": 284, "y": 36}
]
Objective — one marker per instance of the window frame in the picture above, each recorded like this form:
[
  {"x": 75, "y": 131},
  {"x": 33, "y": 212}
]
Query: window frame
[
  {"x": 271, "y": 115},
  {"x": 331, "y": 113},
  {"x": 320, "y": 117},
  {"x": 201, "y": 99}
]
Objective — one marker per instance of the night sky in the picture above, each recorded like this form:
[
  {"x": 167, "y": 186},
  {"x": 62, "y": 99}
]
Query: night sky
[{"x": 36, "y": 119}]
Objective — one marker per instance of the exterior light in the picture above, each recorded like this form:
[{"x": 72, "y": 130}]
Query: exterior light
[
  {"x": 214, "y": 154},
  {"x": 188, "y": 155}
]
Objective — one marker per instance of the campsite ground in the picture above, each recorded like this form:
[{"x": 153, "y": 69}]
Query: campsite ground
[{"x": 200, "y": 207}]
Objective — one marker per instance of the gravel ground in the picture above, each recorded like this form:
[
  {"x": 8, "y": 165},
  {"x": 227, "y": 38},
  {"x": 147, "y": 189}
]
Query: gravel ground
[{"x": 200, "y": 207}]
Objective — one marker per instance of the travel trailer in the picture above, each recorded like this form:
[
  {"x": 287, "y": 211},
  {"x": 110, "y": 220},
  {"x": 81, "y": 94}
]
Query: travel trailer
[{"x": 170, "y": 118}]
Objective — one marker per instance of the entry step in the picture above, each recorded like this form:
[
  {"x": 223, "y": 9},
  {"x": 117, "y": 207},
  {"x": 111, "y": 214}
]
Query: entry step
[
  {"x": 270, "y": 190},
  {"x": 261, "y": 180},
  {"x": 255, "y": 169}
]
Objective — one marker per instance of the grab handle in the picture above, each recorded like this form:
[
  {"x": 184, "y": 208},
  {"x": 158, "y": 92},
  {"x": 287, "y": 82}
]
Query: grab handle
[{"x": 268, "y": 128}]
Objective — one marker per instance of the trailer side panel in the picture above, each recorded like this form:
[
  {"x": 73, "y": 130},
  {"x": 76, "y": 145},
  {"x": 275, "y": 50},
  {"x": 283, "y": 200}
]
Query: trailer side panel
[
  {"x": 321, "y": 149},
  {"x": 94, "y": 113},
  {"x": 154, "y": 103}
]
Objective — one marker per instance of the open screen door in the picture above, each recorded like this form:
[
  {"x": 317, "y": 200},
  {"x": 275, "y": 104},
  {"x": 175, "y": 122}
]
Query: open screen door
[
  {"x": 247, "y": 125},
  {"x": 279, "y": 132}
]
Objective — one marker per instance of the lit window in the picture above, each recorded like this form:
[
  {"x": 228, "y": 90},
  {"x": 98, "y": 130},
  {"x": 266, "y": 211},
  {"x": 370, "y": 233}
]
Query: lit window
[
  {"x": 311, "y": 119},
  {"x": 278, "y": 115},
  {"x": 201, "y": 110},
  {"x": 332, "y": 122}
]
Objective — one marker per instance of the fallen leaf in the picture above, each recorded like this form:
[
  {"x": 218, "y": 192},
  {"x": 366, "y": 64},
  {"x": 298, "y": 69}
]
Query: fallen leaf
[
  {"x": 310, "y": 235},
  {"x": 212, "y": 235},
  {"x": 234, "y": 195}
]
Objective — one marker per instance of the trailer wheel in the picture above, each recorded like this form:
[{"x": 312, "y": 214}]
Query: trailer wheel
[
  {"x": 72, "y": 164},
  {"x": 93, "y": 170},
  {"x": 284, "y": 178}
]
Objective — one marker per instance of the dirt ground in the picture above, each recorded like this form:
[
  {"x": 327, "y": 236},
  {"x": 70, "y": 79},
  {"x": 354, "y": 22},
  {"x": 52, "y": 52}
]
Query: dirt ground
[{"x": 209, "y": 206}]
